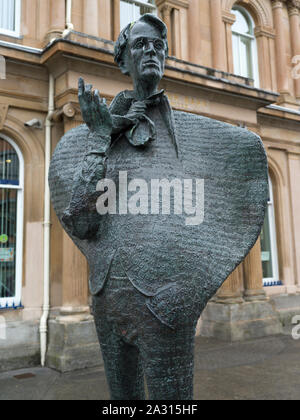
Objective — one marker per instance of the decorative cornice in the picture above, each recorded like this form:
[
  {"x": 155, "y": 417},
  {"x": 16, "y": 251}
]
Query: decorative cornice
[
  {"x": 173, "y": 4},
  {"x": 293, "y": 3},
  {"x": 165, "y": 8},
  {"x": 264, "y": 31},
  {"x": 293, "y": 7},
  {"x": 68, "y": 110},
  {"x": 228, "y": 17},
  {"x": 260, "y": 9},
  {"x": 278, "y": 4}
]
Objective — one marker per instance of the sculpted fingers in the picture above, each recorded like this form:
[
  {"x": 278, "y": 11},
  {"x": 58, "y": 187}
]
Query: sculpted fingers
[
  {"x": 88, "y": 93},
  {"x": 80, "y": 86},
  {"x": 81, "y": 89},
  {"x": 137, "y": 110},
  {"x": 97, "y": 98},
  {"x": 94, "y": 109}
]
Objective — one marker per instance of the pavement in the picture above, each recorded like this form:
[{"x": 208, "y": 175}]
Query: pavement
[{"x": 262, "y": 369}]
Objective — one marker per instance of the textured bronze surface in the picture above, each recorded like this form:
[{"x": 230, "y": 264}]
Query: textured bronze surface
[{"x": 152, "y": 275}]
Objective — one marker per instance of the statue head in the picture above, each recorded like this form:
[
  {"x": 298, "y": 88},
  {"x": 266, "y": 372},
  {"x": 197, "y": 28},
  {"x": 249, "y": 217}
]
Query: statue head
[{"x": 141, "y": 49}]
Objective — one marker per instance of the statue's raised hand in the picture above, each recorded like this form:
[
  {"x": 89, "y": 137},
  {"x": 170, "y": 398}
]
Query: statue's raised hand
[{"x": 94, "y": 110}]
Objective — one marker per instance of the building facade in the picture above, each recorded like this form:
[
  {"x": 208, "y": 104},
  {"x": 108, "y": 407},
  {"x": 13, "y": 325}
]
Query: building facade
[{"x": 234, "y": 61}]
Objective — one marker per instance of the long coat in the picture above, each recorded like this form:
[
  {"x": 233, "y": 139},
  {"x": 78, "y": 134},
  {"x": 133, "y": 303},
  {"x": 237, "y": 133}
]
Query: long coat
[{"x": 177, "y": 267}]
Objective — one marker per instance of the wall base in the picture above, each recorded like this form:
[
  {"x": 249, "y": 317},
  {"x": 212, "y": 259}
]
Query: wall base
[
  {"x": 239, "y": 321},
  {"x": 73, "y": 343},
  {"x": 19, "y": 345},
  {"x": 287, "y": 307}
]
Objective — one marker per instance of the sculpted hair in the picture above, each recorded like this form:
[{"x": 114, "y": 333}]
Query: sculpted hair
[{"x": 122, "y": 41}]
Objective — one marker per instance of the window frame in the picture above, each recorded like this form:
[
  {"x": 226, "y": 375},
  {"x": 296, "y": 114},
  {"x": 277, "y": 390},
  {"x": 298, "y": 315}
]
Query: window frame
[
  {"x": 253, "y": 44},
  {"x": 139, "y": 3},
  {"x": 14, "y": 302},
  {"x": 272, "y": 281},
  {"x": 17, "y": 31}
]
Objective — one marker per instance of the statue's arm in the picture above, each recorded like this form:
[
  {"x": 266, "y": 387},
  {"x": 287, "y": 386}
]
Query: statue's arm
[{"x": 81, "y": 217}]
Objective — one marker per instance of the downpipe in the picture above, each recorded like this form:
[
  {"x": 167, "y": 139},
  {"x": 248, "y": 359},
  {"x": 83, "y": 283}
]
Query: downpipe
[
  {"x": 69, "y": 25},
  {"x": 46, "y": 225}
]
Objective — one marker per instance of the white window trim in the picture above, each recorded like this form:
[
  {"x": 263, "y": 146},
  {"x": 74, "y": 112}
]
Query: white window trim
[
  {"x": 16, "y": 33},
  {"x": 254, "y": 51},
  {"x": 6, "y": 303},
  {"x": 141, "y": 3},
  {"x": 131, "y": 3},
  {"x": 272, "y": 228}
]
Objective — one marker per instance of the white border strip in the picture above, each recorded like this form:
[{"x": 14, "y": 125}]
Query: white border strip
[{"x": 16, "y": 300}]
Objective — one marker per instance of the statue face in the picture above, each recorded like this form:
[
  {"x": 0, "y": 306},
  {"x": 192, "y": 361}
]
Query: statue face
[{"x": 146, "y": 53}]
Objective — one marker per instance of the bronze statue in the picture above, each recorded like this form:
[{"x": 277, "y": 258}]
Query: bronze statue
[{"x": 152, "y": 272}]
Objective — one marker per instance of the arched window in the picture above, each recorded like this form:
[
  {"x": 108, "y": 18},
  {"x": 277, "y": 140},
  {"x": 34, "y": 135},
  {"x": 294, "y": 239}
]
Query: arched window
[
  {"x": 132, "y": 10},
  {"x": 244, "y": 45},
  {"x": 269, "y": 245},
  {"x": 11, "y": 220}
]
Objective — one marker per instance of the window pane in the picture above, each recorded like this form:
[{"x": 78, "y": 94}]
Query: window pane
[
  {"x": 9, "y": 164},
  {"x": 126, "y": 14},
  {"x": 241, "y": 25},
  {"x": 236, "y": 54},
  {"x": 246, "y": 61},
  {"x": 266, "y": 249},
  {"x": 242, "y": 56},
  {"x": 7, "y": 14},
  {"x": 130, "y": 11},
  {"x": 8, "y": 221}
]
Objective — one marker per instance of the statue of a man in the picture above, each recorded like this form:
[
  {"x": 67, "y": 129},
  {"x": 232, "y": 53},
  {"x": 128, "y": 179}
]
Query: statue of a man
[{"x": 152, "y": 273}]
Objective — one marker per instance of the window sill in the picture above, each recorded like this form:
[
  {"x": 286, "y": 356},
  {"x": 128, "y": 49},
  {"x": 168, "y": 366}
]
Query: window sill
[
  {"x": 272, "y": 283},
  {"x": 275, "y": 290},
  {"x": 11, "y": 35},
  {"x": 11, "y": 308}
]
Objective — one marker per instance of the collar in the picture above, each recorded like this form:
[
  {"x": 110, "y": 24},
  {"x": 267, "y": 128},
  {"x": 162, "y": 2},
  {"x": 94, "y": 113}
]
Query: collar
[
  {"x": 129, "y": 94},
  {"x": 122, "y": 102}
]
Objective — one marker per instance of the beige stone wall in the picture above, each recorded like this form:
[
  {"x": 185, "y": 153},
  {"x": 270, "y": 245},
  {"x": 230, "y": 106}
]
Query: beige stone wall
[{"x": 200, "y": 35}]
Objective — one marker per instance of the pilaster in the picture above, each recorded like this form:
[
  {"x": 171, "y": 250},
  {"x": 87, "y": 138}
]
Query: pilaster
[
  {"x": 265, "y": 37},
  {"x": 281, "y": 53},
  {"x": 228, "y": 21},
  {"x": 73, "y": 341},
  {"x": 253, "y": 275},
  {"x": 294, "y": 17},
  {"x": 91, "y": 17},
  {"x": 217, "y": 35},
  {"x": 194, "y": 27},
  {"x": 116, "y": 18},
  {"x": 175, "y": 15},
  {"x": 231, "y": 291},
  {"x": 57, "y": 19},
  {"x": 294, "y": 174},
  {"x": 74, "y": 274},
  {"x": 236, "y": 314}
]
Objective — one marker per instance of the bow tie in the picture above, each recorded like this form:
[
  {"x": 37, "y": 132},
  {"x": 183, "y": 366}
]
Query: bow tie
[{"x": 144, "y": 130}]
